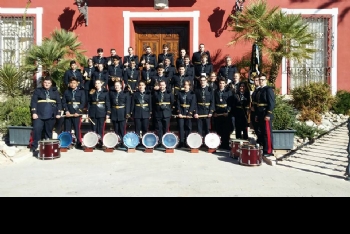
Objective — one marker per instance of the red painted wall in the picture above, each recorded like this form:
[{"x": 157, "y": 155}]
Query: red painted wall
[{"x": 106, "y": 23}]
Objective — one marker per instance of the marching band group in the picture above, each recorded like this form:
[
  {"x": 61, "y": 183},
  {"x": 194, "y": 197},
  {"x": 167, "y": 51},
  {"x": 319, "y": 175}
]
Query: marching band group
[{"x": 156, "y": 88}]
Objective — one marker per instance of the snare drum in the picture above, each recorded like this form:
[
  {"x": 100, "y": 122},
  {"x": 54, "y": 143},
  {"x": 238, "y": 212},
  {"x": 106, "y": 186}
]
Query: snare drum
[
  {"x": 49, "y": 150},
  {"x": 194, "y": 140},
  {"x": 66, "y": 139},
  {"x": 170, "y": 140},
  {"x": 235, "y": 144},
  {"x": 90, "y": 139},
  {"x": 250, "y": 155},
  {"x": 150, "y": 140},
  {"x": 131, "y": 140},
  {"x": 111, "y": 140},
  {"x": 212, "y": 140}
]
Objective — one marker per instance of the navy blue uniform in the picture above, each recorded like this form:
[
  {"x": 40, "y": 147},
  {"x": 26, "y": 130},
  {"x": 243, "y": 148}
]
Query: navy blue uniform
[
  {"x": 185, "y": 105},
  {"x": 254, "y": 108},
  {"x": 200, "y": 69},
  {"x": 169, "y": 71},
  {"x": 121, "y": 110},
  {"x": 178, "y": 82},
  {"x": 197, "y": 57},
  {"x": 151, "y": 59},
  {"x": 179, "y": 61},
  {"x": 99, "y": 108},
  {"x": 146, "y": 75},
  {"x": 88, "y": 79},
  {"x": 265, "y": 107},
  {"x": 162, "y": 57},
  {"x": 189, "y": 70},
  {"x": 70, "y": 73},
  {"x": 156, "y": 79},
  {"x": 163, "y": 105},
  {"x": 142, "y": 111},
  {"x": 46, "y": 104},
  {"x": 227, "y": 72},
  {"x": 223, "y": 124},
  {"x": 97, "y": 60},
  {"x": 132, "y": 77},
  {"x": 240, "y": 108},
  {"x": 100, "y": 75},
  {"x": 115, "y": 73},
  {"x": 73, "y": 101},
  {"x": 128, "y": 58},
  {"x": 205, "y": 106}
]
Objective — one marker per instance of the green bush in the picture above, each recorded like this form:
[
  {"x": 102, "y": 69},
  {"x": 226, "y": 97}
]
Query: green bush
[
  {"x": 305, "y": 131},
  {"x": 21, "y": 116},
  {"x": 11, "y": 80},
  {"x": 342, "y": 103},
  {"x": 284, "y": 116}
]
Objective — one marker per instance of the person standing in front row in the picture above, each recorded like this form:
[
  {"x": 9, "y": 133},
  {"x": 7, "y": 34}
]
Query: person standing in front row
[
  {"x": 45, "y": 108},
  {"x": 240, "y": 108},
  {"x": 120, "y": 108},
  {"x": 163, "y": 101},
  {"x": 254, "y": 107},
  {"x": 142, "y": 109},
  {"x": 73, "y": 102},
  {"x": 186, "y": 104},
  {"x": 99, "y": 109},
  {"x": 264, "y": 116},
  {"x": 205, "y": 106}
]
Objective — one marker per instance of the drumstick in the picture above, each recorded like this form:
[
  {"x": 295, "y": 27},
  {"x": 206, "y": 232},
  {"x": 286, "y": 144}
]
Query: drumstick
[
  {"x": 65, "y": 116},
  {"x": 91, "y": 121}
]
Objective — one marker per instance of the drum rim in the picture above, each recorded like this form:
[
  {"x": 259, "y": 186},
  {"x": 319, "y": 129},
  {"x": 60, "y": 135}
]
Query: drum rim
[
  {"x": 65, "y": 134},
  {"x": 111, "y": 133},
  {"x": 153, "y": 134},
  {"x": 90, "y": 133},
  {"x": 194, "y": 134},
  {"x": 131, "y": 133},
  {"x": 173, "y": 134},
  {"x": 212, "y": 134},
  {"x": 49, "y": 141}
]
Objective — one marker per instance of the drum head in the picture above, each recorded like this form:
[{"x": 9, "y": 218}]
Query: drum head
[
  {"x": 194, "y": 140},
  {"x": 65, "y": 139},
  {"x": 170, "y": 140},
  {"x": 131, "y": 140},
  {"x": 90, "y": 139},
  {"x": 212, "y": 140},
  {"x": 150, "y": 140},
  {"x": 111, "y": 140}
]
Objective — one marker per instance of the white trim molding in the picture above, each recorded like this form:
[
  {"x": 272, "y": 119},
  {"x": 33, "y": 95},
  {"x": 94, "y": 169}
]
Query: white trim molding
[
  {"x": 334, "y": 12},
  {"x": 38, "y": 12},
  {"x": 144, "y": 15}
]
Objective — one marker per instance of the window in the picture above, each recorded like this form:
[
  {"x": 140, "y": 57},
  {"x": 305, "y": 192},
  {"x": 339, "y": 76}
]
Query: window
[
  {"x": 16, "y": 37},
  {"x": 316, "y": 69}
]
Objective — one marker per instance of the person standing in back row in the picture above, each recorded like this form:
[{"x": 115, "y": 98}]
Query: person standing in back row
[{"x": 197, "y": 56}]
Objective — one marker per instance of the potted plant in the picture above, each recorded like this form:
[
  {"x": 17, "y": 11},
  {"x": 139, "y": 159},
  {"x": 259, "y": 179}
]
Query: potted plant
[{"x": 283, "y": 124}]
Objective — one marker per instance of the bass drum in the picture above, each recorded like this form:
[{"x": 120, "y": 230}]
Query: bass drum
[
  {"x": 150, "y": 140},
  {"x": 90, "y": 139},
  {"x": 49, "y": 150},
  {"x": 111, "y": 140},
  {"x": 170, "y": 140},
  {"x": 194, "y": 140},
  {"x": 131, "y": 140},
  {"x": 212, "y": 140},
  {"x": 66, "y": 139}
]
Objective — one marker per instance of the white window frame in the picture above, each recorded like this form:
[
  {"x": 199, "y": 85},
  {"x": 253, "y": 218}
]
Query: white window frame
[{"x": 334, "y": 12}]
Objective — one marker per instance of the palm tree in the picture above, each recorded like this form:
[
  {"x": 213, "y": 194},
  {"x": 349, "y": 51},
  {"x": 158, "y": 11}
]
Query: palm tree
[
  {"x": 276, "y": 33},
  {"x": 11, "y": 80}
]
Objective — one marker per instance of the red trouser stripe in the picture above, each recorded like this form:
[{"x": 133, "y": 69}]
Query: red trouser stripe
[{"x": 268, "y": 132}]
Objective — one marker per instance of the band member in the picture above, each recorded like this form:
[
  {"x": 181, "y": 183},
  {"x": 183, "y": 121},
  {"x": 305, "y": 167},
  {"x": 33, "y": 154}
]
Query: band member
[
  {"x": 163, "y": 105},
  {"x": 160, "y": 77},
  {"x": 264, "y": 115},
  {"x": 186, "y": 104},
  {"x": 115, "y": 72},
  {"x": 99, "y": 59},
  {"x": 127, "y": 59},
  {"x": 142, "y": 109},
  {"x": 236, "y": 83},
  {"x": 149, "y": 57},
  {"x": 110, "y": 59},
  {"x": 121, "y": 102},
  {"x": 202, "y": 69},
  {"x": 189, "y": 68},
  {"x": 166, "y": 54},
  {"x": 73, "y": 102},
  {"x": 147, "y": 74},
  {"x": 132, "y": 76},
  {"x": 197, "y": 56},
  {"x": 254, "y": 107},
  {"x": 205, "y": 106},
  {"x": 178, "y": 81},
  {"x": 181, "y": 59},
  {"x": 228, "y": 71},
  {"x": 99, "y": 109},
  {"x": 241, "y": 107},
  {"x": 213, "y": 82},
  {"x": 169, "y": 70},
  {"x": 221, "y": 115},
  {"x": 88, "y": 71},
  {"x": 45, "y": 107},
  {"x": 73, "y": 72},
  {"x": 100, "y": 74}
]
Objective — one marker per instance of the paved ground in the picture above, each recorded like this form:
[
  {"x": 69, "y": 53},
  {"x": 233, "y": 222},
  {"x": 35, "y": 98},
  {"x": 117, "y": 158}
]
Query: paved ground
[{"x": 182, "y": 174}]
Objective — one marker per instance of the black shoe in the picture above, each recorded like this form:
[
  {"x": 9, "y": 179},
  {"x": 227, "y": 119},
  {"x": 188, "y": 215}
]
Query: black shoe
[
  {"x": 32, "y": 150},
  {"x": 35, "y": 153},
  {"x": 78, "y": 146},
  {"x": 123, "y": 148},
  {"x": 181, "y": 145}
]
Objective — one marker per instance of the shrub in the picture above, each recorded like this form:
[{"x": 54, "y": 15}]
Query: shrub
[
  {"x": 21, "y": 116},
  {"x": 305, "y": 131},
  {"x": 310, "y": 114},
  {"x": 11, "y": 80},
  {"x": 284, "y": 116},
  {"x": 342, "y": 103}
]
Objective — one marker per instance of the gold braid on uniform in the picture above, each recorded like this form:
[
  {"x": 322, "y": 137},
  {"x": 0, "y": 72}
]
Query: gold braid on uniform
[{"x": 92, "y": 91}]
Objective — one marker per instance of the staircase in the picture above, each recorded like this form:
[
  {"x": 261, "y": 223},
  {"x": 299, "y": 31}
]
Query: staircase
[{"x": 326, "y": 156}]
